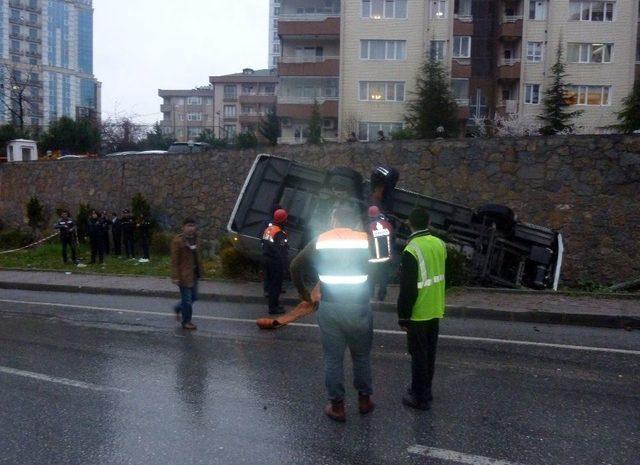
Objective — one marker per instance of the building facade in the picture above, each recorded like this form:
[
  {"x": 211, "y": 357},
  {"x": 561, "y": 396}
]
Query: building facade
[
  {"x": 274, "y": 39},
  {"x": 359, "y": 59},
  {"x": 46, "y": 57},
  {"x": 242, "y": 100},
  {"x": 186, "y": 113}
]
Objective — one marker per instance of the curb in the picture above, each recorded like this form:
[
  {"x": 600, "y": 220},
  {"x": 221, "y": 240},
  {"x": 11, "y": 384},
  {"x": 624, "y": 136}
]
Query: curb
[{"x": 522, "y": 316}]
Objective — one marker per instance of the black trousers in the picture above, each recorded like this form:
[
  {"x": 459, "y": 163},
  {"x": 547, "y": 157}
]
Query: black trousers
[
  {"x": 128, "y": 245},
  {"x": 105, "y": 242},
  {"x": 117, "y": 242},
  {"x": 144, "y": 243},
  {"x": 274, "y": 276},
  {"x": 422, "y": 338},
  {"x": 68, "y": 243},
  {"x": 97, "y": 249}
]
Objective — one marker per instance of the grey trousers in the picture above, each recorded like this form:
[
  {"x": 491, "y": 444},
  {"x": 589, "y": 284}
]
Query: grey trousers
[{"x": 342, "y": 326}]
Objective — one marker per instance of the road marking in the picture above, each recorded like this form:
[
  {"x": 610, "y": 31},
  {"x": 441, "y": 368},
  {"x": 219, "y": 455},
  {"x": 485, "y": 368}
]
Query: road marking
[
  {"x": 453, "y": 456},
  {"x": 56, "y": 380},
  {"x": 487, "y": 340}
]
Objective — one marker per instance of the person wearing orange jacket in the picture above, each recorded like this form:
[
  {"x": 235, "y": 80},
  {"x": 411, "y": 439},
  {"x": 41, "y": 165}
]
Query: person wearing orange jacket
[{"x": 275, "y": 256}]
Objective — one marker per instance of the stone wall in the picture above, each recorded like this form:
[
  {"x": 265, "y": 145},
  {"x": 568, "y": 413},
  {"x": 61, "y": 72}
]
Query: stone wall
[{"x": 588, "y": 187}]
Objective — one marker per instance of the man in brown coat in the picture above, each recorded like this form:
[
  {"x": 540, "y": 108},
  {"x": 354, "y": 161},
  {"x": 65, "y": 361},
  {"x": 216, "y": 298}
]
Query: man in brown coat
[{"x": 186, "y": 270}]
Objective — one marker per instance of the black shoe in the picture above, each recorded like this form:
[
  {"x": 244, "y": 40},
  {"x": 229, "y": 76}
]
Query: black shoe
[
  {"x": 410, "y": 401},
  {"x": 429, "y": 396}
]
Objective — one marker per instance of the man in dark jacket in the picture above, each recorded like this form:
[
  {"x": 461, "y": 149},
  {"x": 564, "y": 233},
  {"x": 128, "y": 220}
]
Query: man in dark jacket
[
  {"x": 68, "y": 236},
  {"x": 186, "y": 270},
  {"x": 382, "y": 241},
  {"x": 145, "y": 229},
  {"x": 116, "y": 233},
  {"x": 274, "y": 255},
  {"x": 128, "y": 229},
  {"x": 95, "y": 228},
  {"x": 104, "y": 216}
]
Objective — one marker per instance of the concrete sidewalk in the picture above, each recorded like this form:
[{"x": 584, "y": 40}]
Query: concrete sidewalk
[{"x": 510, "y": 305}]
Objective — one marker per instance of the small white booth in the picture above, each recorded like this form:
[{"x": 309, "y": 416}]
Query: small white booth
[{"x": 22, "y": 150}]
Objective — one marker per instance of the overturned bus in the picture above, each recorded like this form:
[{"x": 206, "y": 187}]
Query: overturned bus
[{"x": 502, "y": 250}]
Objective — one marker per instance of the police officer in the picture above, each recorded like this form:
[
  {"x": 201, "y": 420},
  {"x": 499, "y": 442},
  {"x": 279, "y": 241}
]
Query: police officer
[
  {"x": 274, "y": 255},
  {"x": 68, "y": 236},
  {"x": 145, "y": 229},
  {"x": 96, "y": 229},
  {"x": 116, "y": 233},
  {"x": 128, "y": 226},
  {"x": 421, "y": 305},
  {"x": 381, "y": 240},
  {"x": 341, "y": 259}
]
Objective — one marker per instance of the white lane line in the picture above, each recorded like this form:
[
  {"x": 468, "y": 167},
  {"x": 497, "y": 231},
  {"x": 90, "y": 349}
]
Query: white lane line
[
  {"x": 486, "y": 340},
  {"x": 457, "y": 457},
  {"x": 56, "y": 380}
]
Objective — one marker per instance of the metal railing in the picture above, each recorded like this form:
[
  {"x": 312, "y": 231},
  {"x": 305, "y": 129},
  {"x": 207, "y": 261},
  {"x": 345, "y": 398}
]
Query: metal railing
[
  {"x": 289, "y": 99},
  {"x": 508, "y": 61},
  {"x": 309, "y": 16},
  {"x": 464, "y": 18},
  {"x": 306, "y": 59},
  {"x": 511, "y": 18}
]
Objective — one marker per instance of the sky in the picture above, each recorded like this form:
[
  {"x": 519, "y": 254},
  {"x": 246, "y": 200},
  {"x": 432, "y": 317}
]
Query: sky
[{"x": 141, "y": 46}]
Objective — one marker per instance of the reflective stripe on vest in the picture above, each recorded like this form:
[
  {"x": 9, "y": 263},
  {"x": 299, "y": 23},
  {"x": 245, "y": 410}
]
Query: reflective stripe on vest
[
  {"x": 423, "y": 279},
  {"x": 271, "y": 232},
  {"x": 342, "y": 241}
]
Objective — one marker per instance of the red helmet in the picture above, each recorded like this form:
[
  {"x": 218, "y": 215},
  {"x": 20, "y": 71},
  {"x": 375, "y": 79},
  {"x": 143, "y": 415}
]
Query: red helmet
[
  {"x": 374, "y": 211},
  {"x": 280, "y": 216}
]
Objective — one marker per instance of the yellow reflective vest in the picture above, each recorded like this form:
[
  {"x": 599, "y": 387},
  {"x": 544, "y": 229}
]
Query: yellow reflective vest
[{"x": 430, "y": 254}]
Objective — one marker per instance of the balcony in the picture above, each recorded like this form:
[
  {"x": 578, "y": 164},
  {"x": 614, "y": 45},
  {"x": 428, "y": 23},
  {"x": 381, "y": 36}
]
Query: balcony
[
  {"x": 509, "y": 69},
  {"x": 328, "y": 109},
  {"x": 259, "y": 98},
  {"x": 510, "y": 28},
  {"x": 305, "y": 26},
  {"x": 461, "y": 68},
  {"x": 166, "y": 108},
  {"x": 33, "y": 54},
  {"x": 252, "y": 117},
  {"x": 309, "y": 66},
  {"x": 462, "y": 28},
  {"x": 507, "y": 107}
]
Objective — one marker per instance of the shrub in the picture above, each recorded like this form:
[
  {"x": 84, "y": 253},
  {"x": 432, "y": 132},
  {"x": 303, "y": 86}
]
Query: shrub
[
  {"x": 161, "y": 243},
  {"x": 246, "y": 140},
  {"x": 403, "y": 134},
  {"x": 140, "y": 206},
  {"x": 35, "y": 213},
  {"x": 14, "y": 238},
  {"x": 457, "y": 271}
]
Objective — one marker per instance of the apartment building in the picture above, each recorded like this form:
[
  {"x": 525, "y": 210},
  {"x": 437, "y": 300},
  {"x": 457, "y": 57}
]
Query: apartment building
[
  {"x": 359, "y": 59},
  {"x": 274, "y": 39},
  {"x": 186, "y": 113},
  {"x": 309, "y": 67},
  {"x": 46, "y": 53},
  {"x": 242, "y": 100}
]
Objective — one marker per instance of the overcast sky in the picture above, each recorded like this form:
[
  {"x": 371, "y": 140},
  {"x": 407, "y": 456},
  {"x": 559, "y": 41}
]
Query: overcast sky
[{"x": 141, "y": 46}]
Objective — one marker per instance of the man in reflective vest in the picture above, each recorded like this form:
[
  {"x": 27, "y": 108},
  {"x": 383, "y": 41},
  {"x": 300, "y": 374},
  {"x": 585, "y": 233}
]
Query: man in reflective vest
[
  {"x": 421, "y": 305},
  {"x": 341, "y": 259},
  {"x": 274, "y": 254}
]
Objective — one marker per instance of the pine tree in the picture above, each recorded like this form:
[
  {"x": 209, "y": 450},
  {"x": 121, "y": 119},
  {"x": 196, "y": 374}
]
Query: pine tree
[
  {"x": 629, "y": 117},
  {"x": 315, "y": 125},
  {"x": 35, "y": 214},
  {"x": 556, "y": 117},
  {"x": 434, "y": 105},
  {"x": 270, "y": 128}
]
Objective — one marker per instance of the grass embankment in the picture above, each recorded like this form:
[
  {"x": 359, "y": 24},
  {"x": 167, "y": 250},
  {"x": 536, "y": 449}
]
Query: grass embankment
[{"x": 49, "y": 257}]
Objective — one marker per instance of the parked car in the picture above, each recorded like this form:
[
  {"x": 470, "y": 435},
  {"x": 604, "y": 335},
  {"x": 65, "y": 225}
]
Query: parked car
[
  {"x": 189, "y": 147},
  {"x": 121, "y": 154},
  {"x": 72, "y": 157}
]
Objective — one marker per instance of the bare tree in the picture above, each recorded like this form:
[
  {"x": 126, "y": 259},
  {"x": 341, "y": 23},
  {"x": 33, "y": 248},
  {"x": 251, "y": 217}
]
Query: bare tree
[
  {"x": 350, "y": 124},
  {"x": 121, "y": 134},
  {"x": 20, "y": 93}
]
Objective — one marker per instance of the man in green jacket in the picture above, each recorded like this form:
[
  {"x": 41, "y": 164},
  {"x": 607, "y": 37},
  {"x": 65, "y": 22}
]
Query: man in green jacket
[{"x": 421, "y": 305}]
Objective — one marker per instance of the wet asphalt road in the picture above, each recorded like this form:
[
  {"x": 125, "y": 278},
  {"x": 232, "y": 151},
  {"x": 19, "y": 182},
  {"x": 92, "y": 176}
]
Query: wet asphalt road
[{"x": 120, "y": 384}]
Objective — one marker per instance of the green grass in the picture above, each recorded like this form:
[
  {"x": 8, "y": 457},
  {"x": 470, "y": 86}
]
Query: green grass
[{"x": 49, "y": 257}]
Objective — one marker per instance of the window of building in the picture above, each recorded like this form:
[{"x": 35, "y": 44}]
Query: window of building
[
  {"x": 15, "y": 30},
  {"x": 270, "y": 89},
  {"x": 194, "y": 116},
  {"x": 230, "y": 91},
  {"x": 462, "y": 9},
  {"x": 460, "y": 90},
  {"x": 534, "y": 52},
  {"x": 15, "y": 45},
  {"x": 229, "y": 111},
  {"x": 369, "y": 131},
  {"x": 230, "y": 131},
  {"x": 378, "y": 9},
  {"x": 589, "y": 53},
  {"x": 591, "y": 11},
  {"x": 15, "y": 15},
  {"x": 33, "y": 33},
  {"x": 461, "y": 46},
  {"x": 276, "y": 47},
  {"x": 438, "y": 9},
  {"x": 589, "y": 95},
  {"x": 438, "y": 50},
  {"x": 194, "y": 100},
  {"x": 383, "y": 49},
  {"x": 532, "y": 94},
  {"x": 209, "y": 101},
  {"x": 537, "y": 10},
  {"x": 193, "y": 132},
  {"x": 276, "y": 11},
  {"x": 382, "y": 91}
]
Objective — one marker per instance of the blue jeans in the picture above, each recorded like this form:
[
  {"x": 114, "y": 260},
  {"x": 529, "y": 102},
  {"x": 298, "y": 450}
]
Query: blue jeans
[
  {"x": 342, "y": 326},
  {"x": 188, "y": 295}
]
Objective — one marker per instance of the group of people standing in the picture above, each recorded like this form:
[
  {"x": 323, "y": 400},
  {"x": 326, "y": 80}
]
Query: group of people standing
[{"x": 108, "y": 234}]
